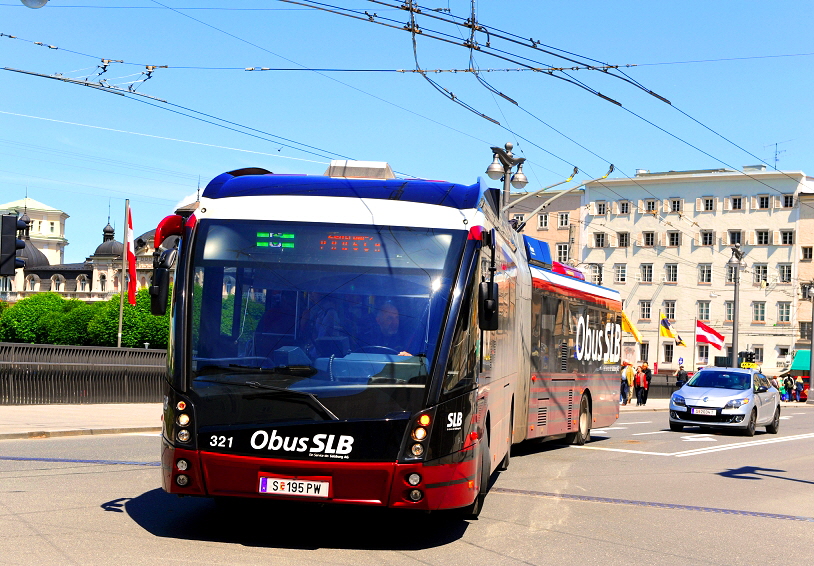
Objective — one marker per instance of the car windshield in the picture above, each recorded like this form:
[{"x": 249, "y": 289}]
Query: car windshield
[
  {"x": 718, "y": 379},
  {"x": 348, "y": 314}
]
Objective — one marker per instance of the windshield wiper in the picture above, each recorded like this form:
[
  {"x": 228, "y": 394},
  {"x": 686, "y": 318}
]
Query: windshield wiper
[
  {"x": 315, "y": 403},
  {"x": 295, "y": 370}
]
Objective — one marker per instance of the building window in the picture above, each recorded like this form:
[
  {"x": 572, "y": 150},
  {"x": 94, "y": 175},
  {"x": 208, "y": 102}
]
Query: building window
[
  {"x": 671, "y": 272},
  {"x": 647, "y": 272},
  {"x": 788, "y": 201},
  {"x": 673, "y": 239},
  {"x": 599, "y": 240},
  {"x": 734, "y": 237},
  {"x": 624, "y": 207},
  {"x": 83, "y": 283},
  {"x": 787, "y": 237},
  {"x": 705, "y": 273},
  {"x": 709, "y": 204},
  {"x": 518, "y": 217},
  {"x": 52, "y": 227},
  {"x": 762, "y": 237},
  {"x": 650, "y": 205},
  {"x": 805, "y": 330},
  {"x": 102, "y": 283},
  {"x": 562, "y": 220},
  {"x": 668, "y": 353},
  {"x": 729, "y": 311},
  {"x": 596, "y": 273},
  {"x": 542, "y": 221},
  {"x": 648, "y": 239},
  {"x": 731, "y": 273},
  {"x": 759, "y": 311},
  {"x": 675, "y": 205},
  {"x": 703, "y": 354},
  {"x": 761, "y": 271},
  {"x": 644, "y": 309},
  {"x": 601, "y": 208},
  {"x": 644, "y": 351},
  {"x": 784, "y": 311},
  {"x": 784, "y": 272},
  {"x": 807, "y": 253},
  {"x": 56, "y": 283},
  {"x": 703, "y": 310},
  {"x": 562, "y": 253},
  {"x": 763, "y": 202},
  {"x": 737, "y": 203},
  {"x": 670, "y": 309},
  {"x": 782, "y": 351},
  {"x": 758, "y": 350},
  {"x": 624, "y": 239},
  {"x": 620, "y": 273},
  {"x": 707, "y": 237}
]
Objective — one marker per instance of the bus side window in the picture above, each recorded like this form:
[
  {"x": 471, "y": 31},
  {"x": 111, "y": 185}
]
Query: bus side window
[{"x": 463, "y": 358}]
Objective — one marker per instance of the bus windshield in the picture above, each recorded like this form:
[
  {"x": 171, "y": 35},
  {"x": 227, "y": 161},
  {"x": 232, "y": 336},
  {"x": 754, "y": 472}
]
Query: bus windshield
[{"x": 298, "y": 322}]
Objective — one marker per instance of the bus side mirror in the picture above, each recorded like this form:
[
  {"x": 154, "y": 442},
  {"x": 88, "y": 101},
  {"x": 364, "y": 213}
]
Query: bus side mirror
[
  {"x": 160, "y": 287},
  {"x": 487, "y": 306}
]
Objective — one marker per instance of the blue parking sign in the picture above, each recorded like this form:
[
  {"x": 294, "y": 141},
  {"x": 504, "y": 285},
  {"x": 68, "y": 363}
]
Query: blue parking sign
[{"x": 680, "y": 361}]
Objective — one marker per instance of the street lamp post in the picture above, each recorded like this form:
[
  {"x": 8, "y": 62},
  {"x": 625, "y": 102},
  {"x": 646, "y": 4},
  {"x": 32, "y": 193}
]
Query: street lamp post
[
  {"x": 735, "y": 263},
  {"x": 501, "y": 167}
]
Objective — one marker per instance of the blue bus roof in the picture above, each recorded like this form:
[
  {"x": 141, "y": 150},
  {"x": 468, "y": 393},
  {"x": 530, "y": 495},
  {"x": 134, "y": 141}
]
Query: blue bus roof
[{"x": 440, "y": 193}]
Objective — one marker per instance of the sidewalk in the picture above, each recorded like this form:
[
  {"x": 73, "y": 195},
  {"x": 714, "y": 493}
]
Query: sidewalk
[{"x": 43, "y": 421}]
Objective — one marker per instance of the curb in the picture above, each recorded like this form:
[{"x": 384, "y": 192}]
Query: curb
[{"x": 77, "y": 432}]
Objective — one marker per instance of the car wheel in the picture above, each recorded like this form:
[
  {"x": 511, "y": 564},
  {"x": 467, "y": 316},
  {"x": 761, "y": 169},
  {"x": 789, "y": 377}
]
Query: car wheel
[
  {"x": 773, "y": 426},
  {"x": 675, "y": 427},
  {"x": 583, "y": 432},
  {"x": 750, "y": 426}
]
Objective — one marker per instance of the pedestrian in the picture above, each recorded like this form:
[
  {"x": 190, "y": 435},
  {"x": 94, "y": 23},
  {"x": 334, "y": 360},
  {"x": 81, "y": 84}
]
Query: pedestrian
[
  {"x": 788, "y": 385},
  {"x": 626, "y": 383},
  {"x": 798, "y": 388},
  {"x": 648, "y": 376},
  {"x": 639, "y": 382},
  {"x": 773, "y": 381},
  {"x": 681, "y": 376}
]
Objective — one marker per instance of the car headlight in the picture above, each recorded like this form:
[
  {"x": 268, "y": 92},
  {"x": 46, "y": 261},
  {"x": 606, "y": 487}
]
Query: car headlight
[
  {"x": 679, "y": 400},
  {"x": 736, "y": 403}
]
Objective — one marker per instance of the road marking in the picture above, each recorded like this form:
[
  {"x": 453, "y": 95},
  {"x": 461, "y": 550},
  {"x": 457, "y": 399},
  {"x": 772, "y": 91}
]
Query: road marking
[
  {"x": 641, "y": 422},
  {"x": 742, "y": 445},
  {"x": 643, "y": 433},
  {"x": 615, "y": 428},
  {"x": 785, "y": 418},
  {"x": 599, "y": 431},
  {"x": 798, "y": 413},
  {"x": 656, "y": 504},
  {"x": 699, "y": 438},
  {"x": 706, "y": 450}
]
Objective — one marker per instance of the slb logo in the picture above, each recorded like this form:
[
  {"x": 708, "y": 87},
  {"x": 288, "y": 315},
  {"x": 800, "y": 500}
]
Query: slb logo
[{"x": 454, "y": 421}]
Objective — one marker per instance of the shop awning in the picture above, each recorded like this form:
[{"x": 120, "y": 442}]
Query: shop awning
[{"x": 801, "y": 363}]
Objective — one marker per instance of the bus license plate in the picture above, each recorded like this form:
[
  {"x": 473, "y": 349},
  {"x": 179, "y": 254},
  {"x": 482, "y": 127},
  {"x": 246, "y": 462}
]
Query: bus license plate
[
  {"x": 285, "y": 486},
  {"x": 710, "y": 412}
]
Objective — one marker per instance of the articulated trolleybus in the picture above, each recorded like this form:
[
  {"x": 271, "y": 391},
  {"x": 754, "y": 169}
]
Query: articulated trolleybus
[{"x": 371, "y": 341}]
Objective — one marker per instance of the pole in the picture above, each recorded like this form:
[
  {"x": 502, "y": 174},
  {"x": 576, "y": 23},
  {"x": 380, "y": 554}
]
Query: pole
[
  {"x": 735, "y": 313},
  {"x": 811, "y": 338},
  {"x": 507, "y": 179},
  {"x": 658, "y": 342},
  {"x": 695, "y": 346},
  {"x": 124, "y": 274}
]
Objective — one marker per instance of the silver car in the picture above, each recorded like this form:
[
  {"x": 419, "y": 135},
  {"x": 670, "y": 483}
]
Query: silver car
[{"x": 721, "y": 397}]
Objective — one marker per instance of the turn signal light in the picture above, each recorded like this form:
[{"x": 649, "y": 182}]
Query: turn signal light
[
  {"x": 424, "y": 420},
  {"x": 181, "y": 405}
]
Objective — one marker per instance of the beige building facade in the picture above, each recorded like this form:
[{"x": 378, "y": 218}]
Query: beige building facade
[
  {"x": 558, "y": 224},
  {"x": 665, "y": 240}
]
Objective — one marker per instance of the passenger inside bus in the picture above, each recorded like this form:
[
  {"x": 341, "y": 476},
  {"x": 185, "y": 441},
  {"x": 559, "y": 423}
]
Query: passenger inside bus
[{"x": 387, "y": 333}]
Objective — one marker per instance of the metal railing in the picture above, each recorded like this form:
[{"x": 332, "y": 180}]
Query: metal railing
[{"x": 42, "y": 374}]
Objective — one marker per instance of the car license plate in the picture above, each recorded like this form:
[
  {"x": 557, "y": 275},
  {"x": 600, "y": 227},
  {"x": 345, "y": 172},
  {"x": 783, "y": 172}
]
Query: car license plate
[
  {"x": 710, "y": 412},
  {"x": 271, "y": 485}
]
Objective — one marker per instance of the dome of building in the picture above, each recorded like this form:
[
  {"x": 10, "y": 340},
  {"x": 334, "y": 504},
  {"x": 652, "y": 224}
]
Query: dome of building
[
  {"x": 109, "y": 246},
  {"x": 33, "y": 257}
]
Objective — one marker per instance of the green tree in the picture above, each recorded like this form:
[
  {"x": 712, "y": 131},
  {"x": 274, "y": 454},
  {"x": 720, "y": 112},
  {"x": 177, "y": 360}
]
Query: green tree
[
  {"x": 20, "y": 322},
  {"x": 72, "y": 326}
]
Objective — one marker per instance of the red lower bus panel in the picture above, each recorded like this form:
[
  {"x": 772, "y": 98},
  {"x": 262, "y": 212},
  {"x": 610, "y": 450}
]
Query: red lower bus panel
[{"x": 443, "y": 486}]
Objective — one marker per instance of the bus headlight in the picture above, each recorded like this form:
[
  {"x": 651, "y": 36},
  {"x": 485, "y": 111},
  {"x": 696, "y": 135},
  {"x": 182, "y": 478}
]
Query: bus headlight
[
  {"x": 182, "y": 465},
  {"x": 183, "y": 435},
  {"x": 417, "y": 449},
  {"x": 416, "y": 495},
  {"x": 420, "y": 433},
  {"x": 183, "y": 419},
  {"x": 182, "y": 480},
  {"x": 414, "y": 479}
]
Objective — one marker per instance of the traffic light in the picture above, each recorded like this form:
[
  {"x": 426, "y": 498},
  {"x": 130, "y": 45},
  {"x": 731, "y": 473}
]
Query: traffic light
[{"x": 9, "y": 244}]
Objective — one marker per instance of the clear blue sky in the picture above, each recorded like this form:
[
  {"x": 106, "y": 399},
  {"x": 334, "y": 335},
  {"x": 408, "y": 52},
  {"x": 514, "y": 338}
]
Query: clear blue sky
[{"x": 753, "y": 97}]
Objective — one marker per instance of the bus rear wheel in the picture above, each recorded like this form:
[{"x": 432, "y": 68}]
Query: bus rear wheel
[{"x": 583, "y": 432}]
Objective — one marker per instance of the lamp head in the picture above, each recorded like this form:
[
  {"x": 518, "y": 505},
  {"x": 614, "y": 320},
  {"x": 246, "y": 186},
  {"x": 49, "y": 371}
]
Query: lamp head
[
  {"x": 495, "y": 170},
  {"x": 34, "y": 3},
  {"x": 519, "y": 179}
]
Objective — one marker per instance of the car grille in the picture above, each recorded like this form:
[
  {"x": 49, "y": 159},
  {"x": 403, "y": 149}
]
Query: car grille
[{"x": 716, "y": 418}]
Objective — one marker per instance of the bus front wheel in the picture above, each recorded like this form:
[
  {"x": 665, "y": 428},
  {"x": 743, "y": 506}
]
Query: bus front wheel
[
  {"x": 473, "y": 510},
  {"x": 583, "y": 432}
]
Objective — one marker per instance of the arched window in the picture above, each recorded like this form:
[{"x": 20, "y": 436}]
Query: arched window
[
  {"x": 82, "y": 283},
  {"x": 57, "y": 283},
  {"x": 102, "y": 283},
  {"x": 31, "y": 283}
]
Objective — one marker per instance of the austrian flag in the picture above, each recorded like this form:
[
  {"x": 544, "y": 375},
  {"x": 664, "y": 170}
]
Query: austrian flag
[
  {"x": 707, "y": 335},
  {"x": 131, "y": 260}
]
